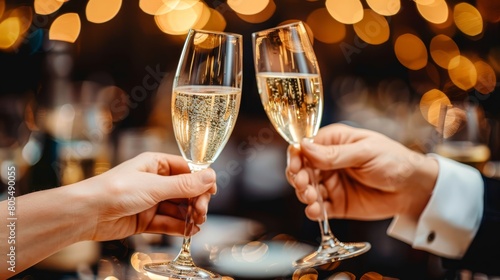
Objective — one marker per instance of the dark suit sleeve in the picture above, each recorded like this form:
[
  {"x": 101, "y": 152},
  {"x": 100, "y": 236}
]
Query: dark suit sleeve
[{"x": 483, "y": 255}]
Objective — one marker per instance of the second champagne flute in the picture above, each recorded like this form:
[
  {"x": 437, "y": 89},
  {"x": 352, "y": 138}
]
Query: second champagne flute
[
  {"x": 290, "y": 88},
  {"x": 465, "y": 133},
  {"x": 205, "y": 104}
]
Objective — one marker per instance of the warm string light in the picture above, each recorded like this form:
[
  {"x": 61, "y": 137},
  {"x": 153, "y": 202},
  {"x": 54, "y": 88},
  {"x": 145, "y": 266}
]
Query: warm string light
[
  {"x": 345, "y": 11},
  {"x": 102, "y": 11},
  {"x": 326, "y": 29},
  {"x": 436, "y": 12},
  {"x": 328, "y": 25},
  {"x": 66, "y": 28}
]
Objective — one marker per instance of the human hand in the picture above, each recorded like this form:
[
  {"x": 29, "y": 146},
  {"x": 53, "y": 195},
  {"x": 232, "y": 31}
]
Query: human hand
[
  {"x": 145, "y": 194},
  {"x": 363, "y": 175}
]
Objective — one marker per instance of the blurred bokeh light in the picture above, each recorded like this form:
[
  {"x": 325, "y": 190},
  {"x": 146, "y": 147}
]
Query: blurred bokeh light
[
  {"x": 155, "y": 7},
  {"x": 437, "y": 12},
  {"x": 248, "y": 7},
  {"x": 411, "y": 51},
  {"x": 431, "y": 104},
  {"x": 443, "y": 49},
  {"x": 93, "y": 78},
  {"x": 10, "y": 29},
  {"x": 180, "y": 20},
  {"x": 326, "y": 29},
  {"x": 462, "y": 72},
  {"x": 261, "y": 15},
  {"x": 2, "y": 8},
  {"x": 65, "y": 28},
  {"x": 486, "y": 77},
  {"x": 373, "y": 28},
  {"x": 345, "y": 11},
  {"x": 47, "y": 7},
  {"x": 102, "y": 11},
  {"x": 468, "y": 19}
]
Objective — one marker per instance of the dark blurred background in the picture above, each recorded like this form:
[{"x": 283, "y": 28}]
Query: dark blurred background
[{"x": 85, "y": 85}]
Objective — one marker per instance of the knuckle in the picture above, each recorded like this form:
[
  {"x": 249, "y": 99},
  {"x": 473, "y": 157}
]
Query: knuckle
[
  {"x": 185, "y": 185},
  {"x": 331, "y": 152}
]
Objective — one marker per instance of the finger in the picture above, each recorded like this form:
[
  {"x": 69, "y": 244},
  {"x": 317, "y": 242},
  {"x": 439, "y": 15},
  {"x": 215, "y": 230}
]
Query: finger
[
  {"x": 171, "y": 165},
  {"x": 294, "y": 159},
  {"x": 168, "y": 225},
  {"x": 178, "y": 208},
  {"x": 300, "y": 183},
  {"x": 158, "y": 163},
  {"x": 331, "y": 157},
  {"x": 201, "y": 208},
  {"x": 179, "y": 186},
  {"x": 339, "y": 146},
  {"x": 308, "y": 196},
  {"x": 293, "y": 164},
  {"x": 175, "y": 210},
  {"x": 314, "y": 203},
  {"x": 333, "y": 209},
  {"x": 313, "y": 212},
  {"x": 301, "y": 180},
  {"x": 290, "y": 177},
  {"x": 338, "y": 134},
  {"x": 335, "y": 205}
]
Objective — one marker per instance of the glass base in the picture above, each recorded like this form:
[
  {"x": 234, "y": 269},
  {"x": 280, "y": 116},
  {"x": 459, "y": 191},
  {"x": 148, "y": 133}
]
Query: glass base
[
  {"x": 332, "y": 253},
  {"x": 169, "y": 270}
]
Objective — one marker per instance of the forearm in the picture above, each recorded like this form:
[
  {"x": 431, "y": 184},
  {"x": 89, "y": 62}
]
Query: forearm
[
  {"x": 419, "y": 185},
  {"x": 43, "y": 223}
]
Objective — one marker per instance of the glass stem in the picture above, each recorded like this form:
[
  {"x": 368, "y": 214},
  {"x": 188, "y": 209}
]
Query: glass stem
[
  {"x": 184, "y": 257},
  {"x": 327, "y": 237}
]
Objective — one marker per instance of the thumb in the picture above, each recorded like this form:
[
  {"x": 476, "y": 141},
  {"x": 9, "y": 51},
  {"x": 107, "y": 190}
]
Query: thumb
[
  {"x": 327, "y": 157},
  {"x": 184, "y": 185}
]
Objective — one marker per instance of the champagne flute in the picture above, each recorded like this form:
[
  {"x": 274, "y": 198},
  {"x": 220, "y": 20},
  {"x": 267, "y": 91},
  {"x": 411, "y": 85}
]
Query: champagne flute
[
  {"x": 464, "y": 132},
  {"x": 290, "y": 89},
  {"x": 205, "y": 104}
]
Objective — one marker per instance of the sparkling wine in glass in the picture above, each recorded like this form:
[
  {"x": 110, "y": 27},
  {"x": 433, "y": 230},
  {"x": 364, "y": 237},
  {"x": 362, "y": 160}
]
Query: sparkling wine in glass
[
  {"x": 205, "y": 104},
  {"x": 290, "y": 89},
  {"x": 465, "y": 132}
]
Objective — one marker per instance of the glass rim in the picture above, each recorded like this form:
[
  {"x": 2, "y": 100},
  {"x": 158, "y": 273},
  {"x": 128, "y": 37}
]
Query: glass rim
[
  {"x": 224, "y": 33},
  {"x": 298, "y": 22}
]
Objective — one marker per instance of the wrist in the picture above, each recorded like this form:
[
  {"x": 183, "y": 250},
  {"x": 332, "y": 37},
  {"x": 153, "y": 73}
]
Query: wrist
[
  {"x": 419, "y": 185},
  {"x": 82, "y": 210},
  {"x": 49, "y": 221}
]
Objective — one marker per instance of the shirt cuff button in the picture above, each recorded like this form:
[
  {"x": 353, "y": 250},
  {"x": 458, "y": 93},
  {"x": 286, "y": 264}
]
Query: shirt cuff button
[{"x": 431, "y": 237}]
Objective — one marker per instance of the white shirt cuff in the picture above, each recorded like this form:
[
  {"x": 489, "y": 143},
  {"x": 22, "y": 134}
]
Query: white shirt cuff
[{"x": 452, "y": 217}]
